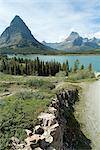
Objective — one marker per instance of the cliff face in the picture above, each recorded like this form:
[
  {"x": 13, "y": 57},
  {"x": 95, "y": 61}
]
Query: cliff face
[{"x": 57, "y": 129}]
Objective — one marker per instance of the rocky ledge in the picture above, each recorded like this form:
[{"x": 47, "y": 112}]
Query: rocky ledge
[{"x": 57, "y": 129}]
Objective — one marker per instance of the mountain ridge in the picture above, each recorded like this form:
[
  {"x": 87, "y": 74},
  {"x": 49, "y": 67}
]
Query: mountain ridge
[
  {"x": 74, "y": 42},
  {"x": 17, "y": 38}
]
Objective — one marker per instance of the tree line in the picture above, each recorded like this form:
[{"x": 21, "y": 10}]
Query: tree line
[{"x": 20, "y": 66}]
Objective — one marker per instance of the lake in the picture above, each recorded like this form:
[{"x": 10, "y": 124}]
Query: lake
[{"x": 86, "y": 60}]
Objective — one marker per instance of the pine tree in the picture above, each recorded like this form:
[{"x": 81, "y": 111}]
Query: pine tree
[
  {"x": 81, "y": 67},
  {"x": 90, "y": 67},
  {"x": 67, "y": 68},
  {"x": 76, "y": 65}
]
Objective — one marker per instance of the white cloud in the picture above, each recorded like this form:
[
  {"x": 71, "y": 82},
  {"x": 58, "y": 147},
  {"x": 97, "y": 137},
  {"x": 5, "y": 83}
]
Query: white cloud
[{"x": 97, "y": 35}]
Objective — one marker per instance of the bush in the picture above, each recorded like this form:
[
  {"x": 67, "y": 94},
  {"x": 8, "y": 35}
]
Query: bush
[
  {"x": 30, "y": 95},
  {"x": 81, "y": 74},
  {"x": 61, "y": 74},
  {"x": 24, "y": 95},
  {"x": 40, "y": 84}
]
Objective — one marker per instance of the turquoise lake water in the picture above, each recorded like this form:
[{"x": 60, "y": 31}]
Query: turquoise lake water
[{"x": 86, "y": 60}]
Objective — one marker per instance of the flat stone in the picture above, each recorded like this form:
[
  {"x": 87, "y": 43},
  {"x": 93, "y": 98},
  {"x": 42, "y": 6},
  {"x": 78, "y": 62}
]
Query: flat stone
[
  {"x": 28, "y": 132},
  {"x": 38, "y": 148},
  {"x": 33, "y": 139},
  {"x": 52, "y": 110},
  {"x": 47, "y": 118}
]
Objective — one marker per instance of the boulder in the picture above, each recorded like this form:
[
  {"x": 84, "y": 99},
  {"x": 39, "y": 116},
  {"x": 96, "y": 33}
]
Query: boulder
[
  {"x": 53, "y": 111},
  {"x": 47, "y": 119},
  {"x": 38, "y": 148}
]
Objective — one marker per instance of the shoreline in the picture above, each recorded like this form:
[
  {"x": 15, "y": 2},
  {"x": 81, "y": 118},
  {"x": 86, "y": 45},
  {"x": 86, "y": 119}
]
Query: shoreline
[{"x": 67, "y": 54}]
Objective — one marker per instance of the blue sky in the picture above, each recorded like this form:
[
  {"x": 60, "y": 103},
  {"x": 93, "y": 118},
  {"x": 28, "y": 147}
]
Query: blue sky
[{"x": 53, "y": 20}]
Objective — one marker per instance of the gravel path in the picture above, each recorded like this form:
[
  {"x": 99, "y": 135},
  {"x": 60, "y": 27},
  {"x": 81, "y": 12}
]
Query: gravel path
[{"x": 88, "y": 113}]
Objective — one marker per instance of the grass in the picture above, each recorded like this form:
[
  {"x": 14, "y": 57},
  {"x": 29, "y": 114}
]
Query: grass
[
  {"x": 29, "y": 95},
  {"x": 18, "y": 111},
  {"x": 18, "y": 115}
]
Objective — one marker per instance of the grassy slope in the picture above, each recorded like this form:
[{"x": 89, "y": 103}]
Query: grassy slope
[
  {"x": 19, "y": 109},
  {"x": 22, "y": 98}
]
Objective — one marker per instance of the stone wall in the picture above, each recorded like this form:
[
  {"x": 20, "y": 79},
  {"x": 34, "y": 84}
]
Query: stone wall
[{"x": 54, "y": 130}]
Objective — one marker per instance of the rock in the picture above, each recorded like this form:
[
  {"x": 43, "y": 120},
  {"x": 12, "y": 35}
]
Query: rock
[
  {"x": 15, "y": 140},
  {"x": 48, "y": 138},
  {"x": 53, "y": 130},
  {"x": 38, "y": 148},
  {"x": 53, "y": 111},
  {"x": 47, "y": 119},
  {"x": 26, "y": 148},
  {"x": 38, "y": 130},
  {"x": 28, "y": 132},
  {"x": 51, "y": 148},
  {"x": 33, "y": 139},
  {"x": 21, "y": 146}
]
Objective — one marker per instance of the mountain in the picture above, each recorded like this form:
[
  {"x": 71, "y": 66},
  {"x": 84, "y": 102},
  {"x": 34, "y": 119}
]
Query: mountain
[
  {"x": 75, "y": 43},
  {"x": 17, "y": 38}
]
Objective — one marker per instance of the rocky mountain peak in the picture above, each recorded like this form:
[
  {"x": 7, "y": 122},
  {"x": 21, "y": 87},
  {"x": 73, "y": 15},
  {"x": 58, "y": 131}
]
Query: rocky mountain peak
[
  {"x": 16, "y": 20},
  {"x": 18, "y": 25},
  {"x": 18, "y": 35},
  {"x": 73, "y": 36}
]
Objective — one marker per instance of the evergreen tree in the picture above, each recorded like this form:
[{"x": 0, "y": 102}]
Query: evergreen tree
[
  {"x": 67, "y": 67},
  {"x": 90, "y": 67},
  {"x": 81, "y": 67},
  {"x": 76, "y": 65}
]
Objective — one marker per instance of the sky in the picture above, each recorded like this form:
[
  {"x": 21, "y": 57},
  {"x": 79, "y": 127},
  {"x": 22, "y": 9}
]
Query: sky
[{"x": 53, "y": 20}]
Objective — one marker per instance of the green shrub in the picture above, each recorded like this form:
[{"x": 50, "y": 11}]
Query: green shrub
[
  {"x": 61, "y": 74},
  {"x": 29, "y": 95},
  {"x": 24, "y": 95},
  {"x": 81, "y": 74},
  {"x": 40, "y": 84}
]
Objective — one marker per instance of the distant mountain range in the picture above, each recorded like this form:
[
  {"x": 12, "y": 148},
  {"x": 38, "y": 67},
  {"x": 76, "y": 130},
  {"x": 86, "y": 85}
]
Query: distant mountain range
[
  {"x": 74, "y": 43},
  {"x": 17, "y": 38}
]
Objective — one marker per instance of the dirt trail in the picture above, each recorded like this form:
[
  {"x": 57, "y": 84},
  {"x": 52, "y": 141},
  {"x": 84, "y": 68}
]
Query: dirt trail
[{"x": 88, "y": 113}]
